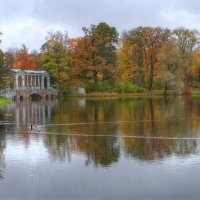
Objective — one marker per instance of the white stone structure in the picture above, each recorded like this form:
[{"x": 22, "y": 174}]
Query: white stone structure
[
  {"x": 29, "y": 79},
  {"x": 25, "y": 83}
]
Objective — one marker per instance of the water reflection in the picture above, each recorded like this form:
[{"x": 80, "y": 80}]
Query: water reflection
[
  {"x": 154, "y": 150},
  {"x": 167, "y": 119},
  {"x": 103, "y": 130},
  {"x": 101, "y": 148},
  {"x": 2, "y": 148}
]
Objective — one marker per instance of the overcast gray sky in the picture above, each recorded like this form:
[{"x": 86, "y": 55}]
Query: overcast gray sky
[{"x": 27, "y": 21}]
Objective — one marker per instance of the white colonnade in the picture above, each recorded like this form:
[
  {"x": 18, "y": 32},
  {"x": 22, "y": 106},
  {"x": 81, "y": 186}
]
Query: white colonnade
[{"x": 30, "y": 81}]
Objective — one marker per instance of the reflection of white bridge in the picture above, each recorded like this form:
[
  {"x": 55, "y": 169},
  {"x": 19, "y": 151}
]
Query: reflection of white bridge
[{"x": 28, "y": 83}]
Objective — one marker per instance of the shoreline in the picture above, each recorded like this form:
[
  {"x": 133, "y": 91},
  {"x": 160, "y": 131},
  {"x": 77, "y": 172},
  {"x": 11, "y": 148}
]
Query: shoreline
[
  {"x": 154, "y": 93},
  {"x": 115, "y": 94},
  {"x": 4, "y": 101},
  {"x": 147, "y": 94}
]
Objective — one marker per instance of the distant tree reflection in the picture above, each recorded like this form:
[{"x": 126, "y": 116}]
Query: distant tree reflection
[
  {"x": 2, "y": 148},
  {"x": 110, "y": 123},
  {"x": 100, "y": 129},
  {"x": 157, "y": 149}
]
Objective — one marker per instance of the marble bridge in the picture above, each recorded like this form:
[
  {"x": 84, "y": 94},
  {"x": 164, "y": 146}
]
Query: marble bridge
[{"x": 24, "y": 84}]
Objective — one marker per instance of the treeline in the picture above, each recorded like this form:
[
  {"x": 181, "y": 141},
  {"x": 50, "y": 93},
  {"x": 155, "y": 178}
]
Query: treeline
[{"x": 143, "y": 58}]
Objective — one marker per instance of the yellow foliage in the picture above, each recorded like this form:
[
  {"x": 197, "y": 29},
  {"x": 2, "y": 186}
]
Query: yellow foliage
[
  {"x": 195, "y": 68},
  {"x": 100, "y": 75}
]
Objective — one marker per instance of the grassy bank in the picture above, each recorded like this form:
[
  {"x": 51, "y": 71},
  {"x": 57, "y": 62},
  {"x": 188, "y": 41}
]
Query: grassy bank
[
  {"x": 4, "y": 101},
  {"x": 115, "y": 94}
]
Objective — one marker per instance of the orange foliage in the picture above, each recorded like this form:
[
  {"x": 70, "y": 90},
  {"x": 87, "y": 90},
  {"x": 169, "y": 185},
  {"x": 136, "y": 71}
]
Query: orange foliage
[
  {"x": 195, "y": 69},
  {"x": 24, "y": 60},
  {"x": 126, "y": 63}
]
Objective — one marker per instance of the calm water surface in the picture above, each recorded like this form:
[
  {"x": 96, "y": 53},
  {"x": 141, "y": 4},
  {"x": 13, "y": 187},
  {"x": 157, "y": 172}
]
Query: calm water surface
[{"x": 87, "y": 149}]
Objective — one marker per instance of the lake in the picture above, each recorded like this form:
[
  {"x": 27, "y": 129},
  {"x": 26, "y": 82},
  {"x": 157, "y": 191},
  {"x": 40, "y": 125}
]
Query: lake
[{"x": 99, "y": 149}]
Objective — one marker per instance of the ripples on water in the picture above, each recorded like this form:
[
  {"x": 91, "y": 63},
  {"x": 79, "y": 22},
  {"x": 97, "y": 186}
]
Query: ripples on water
[{"x": 139, "y": 148}]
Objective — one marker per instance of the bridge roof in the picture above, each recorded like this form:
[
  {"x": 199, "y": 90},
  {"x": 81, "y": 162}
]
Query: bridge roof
[{"x": 31, "y": 72}]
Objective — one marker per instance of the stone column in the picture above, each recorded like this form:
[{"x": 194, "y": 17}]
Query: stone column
[
  {"x": 23, "y": 82},
  {"x": 48, "y": 82},
  {"x": 27, "y": 82},
  {"x": 39, "y": 82},
  {"x": 42, "y": 82},
  {"x": 35, "y": 82},
  {"x": 31, "y": 82},
  {"x": 33, "y": 77},
  {"x": 16, "y": 82}
]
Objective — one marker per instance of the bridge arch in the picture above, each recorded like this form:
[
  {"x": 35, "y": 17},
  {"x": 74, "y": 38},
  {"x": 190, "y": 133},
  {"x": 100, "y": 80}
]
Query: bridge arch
[{"x": 35, "y": 97}]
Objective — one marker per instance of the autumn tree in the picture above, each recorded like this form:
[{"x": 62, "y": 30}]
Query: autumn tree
[
  {"x": 125, "y": 70},
  {"x": 187, "y": 41},
  {"x": 195, "y": 68},
  {"x": 152, "y": 41},
  {"x": 24, "y": 59},
  {"x": 76, "y": 74},
  {"x": 54, "y": 58},
  {"x": 131, "y": 57},
  {"x": 95, "y": 53},
  {"x": 147, "y": 44},
  {"x": 171, "y": 65}
]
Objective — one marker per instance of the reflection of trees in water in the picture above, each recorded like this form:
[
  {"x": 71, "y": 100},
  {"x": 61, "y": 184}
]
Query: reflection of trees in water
[
  {"x": 2, "y": 148},
  {"x": 151, "y": 117},
  {"x": 156, "y": 149},
  {"x": 58, "y": 147},
  {"x": 156, "y": 118},
  {"x": 98, "y": 150},
  {"x": 171, "y": 118}
]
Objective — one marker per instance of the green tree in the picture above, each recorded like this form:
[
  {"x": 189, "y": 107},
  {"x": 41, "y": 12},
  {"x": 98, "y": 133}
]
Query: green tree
[
  {"x": 10, "y": 58},
  {"x": 3, "y": 71},
  {"x": 54, "y": 59}
]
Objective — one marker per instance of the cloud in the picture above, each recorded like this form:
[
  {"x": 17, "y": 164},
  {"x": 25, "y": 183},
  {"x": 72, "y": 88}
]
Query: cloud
[{"x": 27, "y": 22}]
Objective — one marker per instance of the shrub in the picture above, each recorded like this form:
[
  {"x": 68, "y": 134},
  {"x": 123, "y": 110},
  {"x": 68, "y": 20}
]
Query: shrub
[
  {"x": 89, "y": 87},
  {"x": 127, "y": 87},
  {"x": 196, "y": 84},
  {"x": 103, "y": 87},
  {"x": 65, "y": 89}
]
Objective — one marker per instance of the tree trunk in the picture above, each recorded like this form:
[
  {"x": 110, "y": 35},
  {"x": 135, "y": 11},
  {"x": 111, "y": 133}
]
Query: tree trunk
[
  {"x": 96, "y": 88},
  {"x": 151, "y": 78},
  {"x": 152, "y": 116},
  {"x": 165, "y": 90},
  {"x": 96, "y": 109}
]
